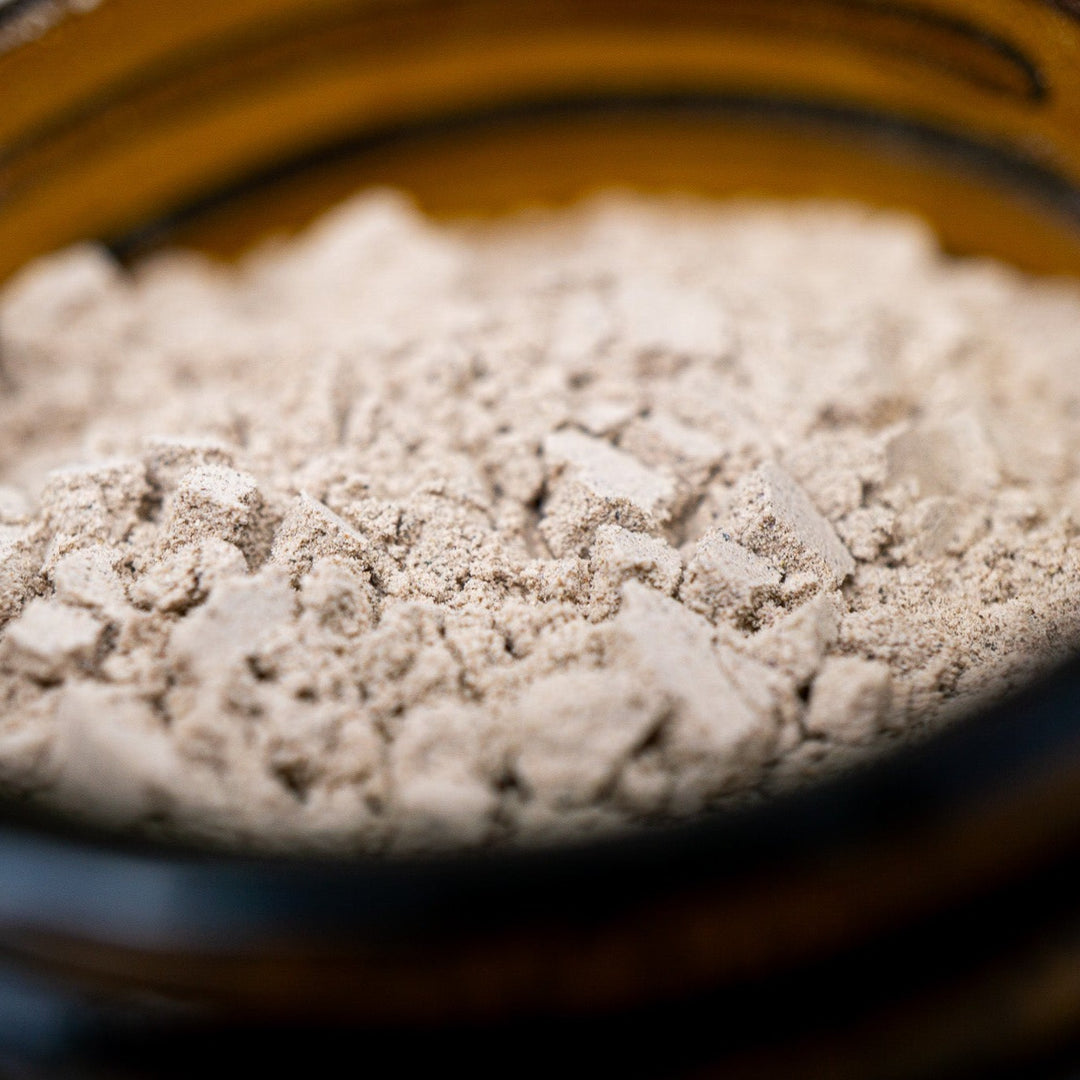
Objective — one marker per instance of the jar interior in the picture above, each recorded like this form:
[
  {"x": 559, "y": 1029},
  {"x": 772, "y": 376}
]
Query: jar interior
[
  {"x": 495, "y": 163},
  {"x": 211, "y": 123}
]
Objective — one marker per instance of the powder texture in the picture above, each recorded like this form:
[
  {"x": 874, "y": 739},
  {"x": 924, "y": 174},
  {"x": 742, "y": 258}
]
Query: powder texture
[{"x": 398, "y": 536}]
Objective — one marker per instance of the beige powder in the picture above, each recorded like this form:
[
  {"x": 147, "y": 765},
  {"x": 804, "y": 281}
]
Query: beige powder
[{"x": 398, "y": 536}]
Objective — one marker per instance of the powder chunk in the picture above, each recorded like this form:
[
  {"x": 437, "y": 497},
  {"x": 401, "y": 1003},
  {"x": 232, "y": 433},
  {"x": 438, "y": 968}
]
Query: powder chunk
[
  {"x": 440, "y": 795},
  {"x": 169, "y": 459},
  {"x": 50, "y": 640},
  {"x": 323, "y": 768},
  {"x": 593, "y": 482},
  {"x": 184, "y": 576},
  {"x": 15, "y": 506},
  {"x": 948, "y": 458},
  {"x": 657, "y": 319},
  {"x": 850, "y": 700},
  {"x": 569, "y": 749},
  {"x": 94, "y": 504},
  {"x": 797, "y": 643},
  {"x": 28, "y": 739},
  {"x": 725, "y": 580},
  {"x": 775, "y": 519},
  {"x": 339, "y": 596},
  {"x": 216, "y": 502},
  {"x": 619, "y": 555},
  {"x": 88, "y": 578},
  {"x": 661, "y": 440},
  {"x": 867, "y": 531},
  {"x": 607, "y": 472},
  {"x": 311, "y": 530},
  {"x": 713, "y": 739},
  {"x": 115, "y": 760},
  {"x": 582, "y": 326},
  {"x": 933, "y": 526},
  {"x": 20, "y": 560},
  {"x": 58, "y": 286},
  {"x": 227, "y": 627},
  {"x": 603, "y": 417},
  {"x": 376, "y": 240}
]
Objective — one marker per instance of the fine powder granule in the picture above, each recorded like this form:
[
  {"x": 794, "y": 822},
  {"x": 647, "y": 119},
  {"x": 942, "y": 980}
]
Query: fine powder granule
[{"x": 400, "y": 535}]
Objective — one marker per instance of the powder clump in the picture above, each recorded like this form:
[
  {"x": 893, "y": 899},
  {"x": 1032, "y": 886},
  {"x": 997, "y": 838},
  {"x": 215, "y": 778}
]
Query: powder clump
[{"x": 399, "y": 536}]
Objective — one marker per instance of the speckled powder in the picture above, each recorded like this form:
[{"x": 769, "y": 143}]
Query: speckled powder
[{"x": 399, "y": 535}]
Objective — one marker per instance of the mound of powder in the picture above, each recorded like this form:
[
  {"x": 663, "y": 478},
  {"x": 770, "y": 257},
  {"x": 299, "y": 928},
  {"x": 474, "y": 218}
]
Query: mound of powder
[{"x": 399, "y": 536}]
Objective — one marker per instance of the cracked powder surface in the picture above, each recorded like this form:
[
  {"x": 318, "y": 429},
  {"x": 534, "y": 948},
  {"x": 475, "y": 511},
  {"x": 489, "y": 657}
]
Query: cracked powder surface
[{"x": 400, "y": 536}]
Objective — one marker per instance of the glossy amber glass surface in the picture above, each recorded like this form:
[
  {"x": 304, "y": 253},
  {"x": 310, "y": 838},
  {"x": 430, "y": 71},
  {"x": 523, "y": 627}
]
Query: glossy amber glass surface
[{"x": 965, "y": 110}]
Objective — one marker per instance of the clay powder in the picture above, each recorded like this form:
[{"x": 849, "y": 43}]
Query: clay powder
[{"x": 400, "y": 536}]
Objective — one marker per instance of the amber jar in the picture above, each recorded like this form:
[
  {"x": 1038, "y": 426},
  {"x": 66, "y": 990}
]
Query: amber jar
[{"x": 915, "y": 919}]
